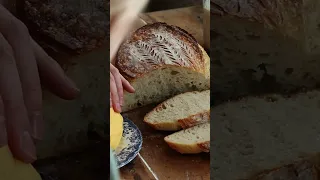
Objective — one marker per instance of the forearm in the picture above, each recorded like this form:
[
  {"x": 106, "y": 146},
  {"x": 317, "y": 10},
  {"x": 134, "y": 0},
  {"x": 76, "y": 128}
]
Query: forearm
[{"x": 123, "y": 14}]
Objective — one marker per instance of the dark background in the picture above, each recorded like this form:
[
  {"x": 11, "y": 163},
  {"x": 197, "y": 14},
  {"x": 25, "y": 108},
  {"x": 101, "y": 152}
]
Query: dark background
[{"x": 156, "y": 5}]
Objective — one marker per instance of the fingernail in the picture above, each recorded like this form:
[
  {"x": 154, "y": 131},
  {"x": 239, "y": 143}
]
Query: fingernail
[
  {"x": 37, "y": 125},
  {"x": 26, "y": 144}
]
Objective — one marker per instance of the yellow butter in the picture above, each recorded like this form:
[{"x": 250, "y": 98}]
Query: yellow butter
[
  {"x": 12, "y": 169},
  {"x": 116, "y": 129}
]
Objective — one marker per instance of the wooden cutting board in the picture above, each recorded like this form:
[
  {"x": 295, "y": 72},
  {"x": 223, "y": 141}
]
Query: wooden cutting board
[{"x": 164, "y": 162}]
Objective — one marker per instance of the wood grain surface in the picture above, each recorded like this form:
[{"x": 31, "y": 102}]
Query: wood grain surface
[{"x": 164, "y": 162}]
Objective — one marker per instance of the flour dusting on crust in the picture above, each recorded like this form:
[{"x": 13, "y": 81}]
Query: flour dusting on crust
[{"x": 156, "y": 45}]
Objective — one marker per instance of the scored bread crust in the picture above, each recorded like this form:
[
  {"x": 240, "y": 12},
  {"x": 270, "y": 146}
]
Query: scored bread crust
[
  {"x": 189, "y": 149},
  {"x": 157, "y": 45},
  {"x": 205, "y": 72},
  {"x": 190, "y": 121},
  {"x": 196, "y": 119}
]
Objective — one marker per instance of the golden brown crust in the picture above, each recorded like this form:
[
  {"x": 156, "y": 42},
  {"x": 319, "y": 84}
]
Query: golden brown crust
[
  {"x": 189, "y": 149},
  {"x": 185, "y": 123},
  {"x": 132, "y": 80},
  {"x": 164, "y": 126},
  {"x": 196, "y": 119},
  {"x": 174, "y": 146},
  {"x": 205, "y": 146},
  {"x": 185, "y": 33},
  {"x": 157, "y": 45},
  {"x": 205, "y": 57}
]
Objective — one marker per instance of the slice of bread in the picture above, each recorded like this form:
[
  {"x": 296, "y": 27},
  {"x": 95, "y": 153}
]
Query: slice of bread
[
  {"x": 161, "y": 61},
  {"x": 192, "y": 140},
  {"x": 182, "y": 111}
]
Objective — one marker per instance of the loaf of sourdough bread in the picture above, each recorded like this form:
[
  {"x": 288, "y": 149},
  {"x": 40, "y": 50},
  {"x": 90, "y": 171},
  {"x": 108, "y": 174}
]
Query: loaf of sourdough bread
[
  {"x": 192, "y": 140},
  {"x": 181, "y": 111},
  {"x": 259, "y": 133},
  {"x": 161, "y": 61}
]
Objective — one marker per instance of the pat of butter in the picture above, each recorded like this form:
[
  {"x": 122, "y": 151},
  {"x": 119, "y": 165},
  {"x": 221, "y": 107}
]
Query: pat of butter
[
  {"x": 116, "y": 129},
  {"x": 12, "y": 169}
]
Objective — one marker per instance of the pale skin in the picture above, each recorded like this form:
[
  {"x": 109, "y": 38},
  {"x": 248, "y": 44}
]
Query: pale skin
[
  {"x": 118, "y": 83},
  {"x": 123, "y": 14},
  {"x": 24, "y": 66}
]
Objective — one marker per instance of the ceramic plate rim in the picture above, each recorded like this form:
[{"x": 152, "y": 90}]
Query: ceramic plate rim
[{"x": 126, "y": 119}]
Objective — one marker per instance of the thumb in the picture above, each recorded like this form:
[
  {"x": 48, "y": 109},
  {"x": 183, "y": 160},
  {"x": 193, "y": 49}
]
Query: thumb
[{"x": 53, "y": 76}]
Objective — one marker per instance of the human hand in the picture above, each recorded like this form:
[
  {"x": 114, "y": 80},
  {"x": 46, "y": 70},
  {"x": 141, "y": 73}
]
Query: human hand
[
  {"x": 23, "y": 63},
  {"x": 117, "y": 84},
  {"x": 123, "y": 14}
]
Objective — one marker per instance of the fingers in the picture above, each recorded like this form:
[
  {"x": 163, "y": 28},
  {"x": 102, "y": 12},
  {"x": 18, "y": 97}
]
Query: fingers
[
  {"x": 3, "y": 129},
  {"x": 53, "y": 76},
  {"x": 18, "y": 37},
  {"x": 117, "y": 78},
  {"x": 110, "y": 100},
  {"x": 17, "y": 121},
  {"x": 117, "y": 84},
  {"x": 122, "y": 16},
  {"x": 114, "y": 94},
  {"x": 29, "y": 77},
  {"x": 126, "y": 85},
  {"x": 118, "y": 33}
]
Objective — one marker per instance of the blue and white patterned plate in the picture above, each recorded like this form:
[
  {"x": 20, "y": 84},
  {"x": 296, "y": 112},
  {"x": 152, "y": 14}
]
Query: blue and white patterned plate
[{"x": 130, "y": 144}]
